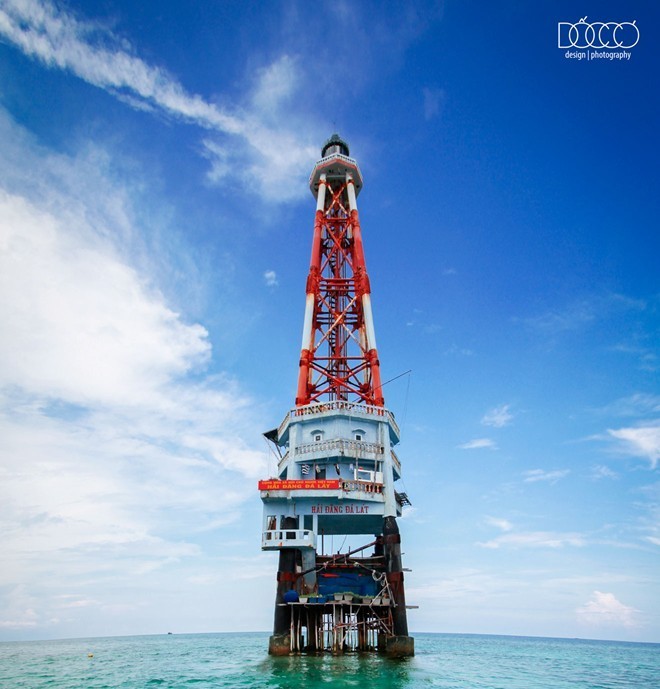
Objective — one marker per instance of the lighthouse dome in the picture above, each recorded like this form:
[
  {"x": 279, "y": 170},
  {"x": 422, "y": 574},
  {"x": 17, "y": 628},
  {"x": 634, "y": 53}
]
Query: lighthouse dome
[{"x": 335, "y": 144}]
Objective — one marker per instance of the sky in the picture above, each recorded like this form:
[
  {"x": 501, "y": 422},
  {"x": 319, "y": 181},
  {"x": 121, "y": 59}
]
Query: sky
[{"x": 155, "y": 229}]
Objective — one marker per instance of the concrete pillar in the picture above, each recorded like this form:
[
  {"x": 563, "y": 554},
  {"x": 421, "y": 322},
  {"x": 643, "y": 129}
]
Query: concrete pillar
[
  {"x": 280, "y": 641},
  {"x": 404, "y": 644}
]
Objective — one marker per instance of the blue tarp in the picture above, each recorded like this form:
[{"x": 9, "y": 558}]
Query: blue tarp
[{"x": 338, "y": 581}]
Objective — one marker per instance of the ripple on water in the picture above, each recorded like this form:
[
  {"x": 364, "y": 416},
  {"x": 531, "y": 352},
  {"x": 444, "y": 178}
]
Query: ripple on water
[{"x": 443, "y": 661}]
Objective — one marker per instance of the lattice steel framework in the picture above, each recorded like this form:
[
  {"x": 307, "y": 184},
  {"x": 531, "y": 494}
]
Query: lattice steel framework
[{"x": 339, "y": 359}]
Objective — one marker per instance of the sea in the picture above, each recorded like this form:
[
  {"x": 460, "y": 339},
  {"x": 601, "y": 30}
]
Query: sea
[{"x": 448, "y": 661}]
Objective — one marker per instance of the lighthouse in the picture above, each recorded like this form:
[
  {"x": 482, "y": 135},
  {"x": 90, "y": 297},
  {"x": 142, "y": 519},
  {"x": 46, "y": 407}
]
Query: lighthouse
[{"x": 337, "y": 472}]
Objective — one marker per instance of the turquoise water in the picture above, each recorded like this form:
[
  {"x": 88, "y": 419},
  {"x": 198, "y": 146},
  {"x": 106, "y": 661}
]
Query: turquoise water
[{"x": 448, "y": 661}]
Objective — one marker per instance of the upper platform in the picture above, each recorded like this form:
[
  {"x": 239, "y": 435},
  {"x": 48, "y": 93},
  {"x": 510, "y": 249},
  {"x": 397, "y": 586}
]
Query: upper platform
[
  {"x": 339, "y": 408},
  {"x": 335, "y": 164}
]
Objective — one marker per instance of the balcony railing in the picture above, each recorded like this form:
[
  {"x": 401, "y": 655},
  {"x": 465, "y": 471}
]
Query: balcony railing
[
  {"x": 346, "y": 159},
  {"x": 349, "y": 448},
  {"x": 364, "y": 486},
  {"x": 288, "y": 538},
  {"x": 396, "y": 462},
  {"x": 351, "y": 408}
]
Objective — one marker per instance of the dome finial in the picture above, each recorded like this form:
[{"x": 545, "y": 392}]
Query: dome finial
[{"x": 335, "y": 144}]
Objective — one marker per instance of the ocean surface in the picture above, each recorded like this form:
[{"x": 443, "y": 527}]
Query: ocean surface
[{"x": 449, "y": 661}]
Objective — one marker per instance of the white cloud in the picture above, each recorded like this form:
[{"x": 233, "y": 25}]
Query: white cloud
[
  {"x": 639, "y": 404},
  {"x": 261, "y": 143},
  {"x": 275, "y": 84},
  {"x": 534, "y": 475},
  {"x": 640, "y": 441},
  {"x": 114, "y": 461},
  {"x": 601, "y": 471},
  {"x": 535, "y": 539},
  {"x": 270, "y": 278},
  {"x": 503, "y": 524},
  {"x": 58, "y": 39},
  {"x": 604, "y": 609},
  {"x": 478, "y": 444},
  {"x": 18, "y": 611},
  {"x": 82, "y": 326},
  {"x": 498, "y": 416}
]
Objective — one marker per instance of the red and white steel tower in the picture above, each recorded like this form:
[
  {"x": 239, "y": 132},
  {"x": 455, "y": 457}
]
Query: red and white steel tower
[{"x": 339, "y": 359}]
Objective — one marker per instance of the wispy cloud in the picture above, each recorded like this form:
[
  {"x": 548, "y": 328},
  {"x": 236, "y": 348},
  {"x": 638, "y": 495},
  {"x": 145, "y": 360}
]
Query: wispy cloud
[
  {"x": 604, "y": 609},
  {"x": 256, "y": 144},
  {"x": 57, "y": 38},
  {"x": 600, "y": 471},
  {"x": 646, "y": 355},
  {"x": 455, "y": 350},
  {"x": 498, "y": 416},
  {"x": 535, "y": 539},
  {"x": 503, "y": 524},
  {"x": 270, "y": 278},
  {"x": 638, "y": 405},
  {"x": 479, "y": 444},
  {"x": 535, "y": 475},
  {"x": 640, "y": 441},
  {"x": 583, "y": 313}
]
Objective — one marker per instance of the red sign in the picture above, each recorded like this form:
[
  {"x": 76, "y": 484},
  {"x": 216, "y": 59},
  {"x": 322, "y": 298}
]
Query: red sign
[{"x": 303, "y": 484}]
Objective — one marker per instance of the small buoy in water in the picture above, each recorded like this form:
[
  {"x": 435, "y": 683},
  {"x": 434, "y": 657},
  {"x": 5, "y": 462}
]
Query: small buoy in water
[{"x": 90, "y": 655}]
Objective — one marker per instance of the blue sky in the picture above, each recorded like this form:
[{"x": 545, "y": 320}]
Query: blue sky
[{"x": 155, "y": 225}]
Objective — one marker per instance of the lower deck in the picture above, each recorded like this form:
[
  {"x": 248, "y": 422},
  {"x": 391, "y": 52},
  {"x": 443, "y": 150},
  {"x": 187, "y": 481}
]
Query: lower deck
[{"x": 339, "y": 626}]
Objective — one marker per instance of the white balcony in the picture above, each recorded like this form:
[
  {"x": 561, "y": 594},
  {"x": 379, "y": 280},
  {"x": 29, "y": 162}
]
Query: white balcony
[
  {"x": 342, "y": 447},
  {"x": 288, "y": 538}
]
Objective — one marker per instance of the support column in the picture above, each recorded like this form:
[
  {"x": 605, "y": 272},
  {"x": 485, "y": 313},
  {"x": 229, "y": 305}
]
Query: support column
[
  {"x": 280, "y": 642},
  {"x": 401, "y": 644},
  {"x": 364, "y": 292},
  {"x": 307, "y": 345}
]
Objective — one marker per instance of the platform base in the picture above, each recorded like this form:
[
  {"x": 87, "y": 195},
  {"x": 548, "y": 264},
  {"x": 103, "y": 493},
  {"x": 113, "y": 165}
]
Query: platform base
[
  {"x": 399, "y": 646},
  {"x": 279, "y": 645}
]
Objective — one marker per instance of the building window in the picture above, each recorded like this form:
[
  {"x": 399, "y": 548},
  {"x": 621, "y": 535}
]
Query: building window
[{"x": 359, "y": 433}]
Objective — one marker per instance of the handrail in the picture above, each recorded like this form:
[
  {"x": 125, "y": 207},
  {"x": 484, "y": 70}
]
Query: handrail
[
  {"x": 344, "y": 445},
  {"x": 364, "y": 486},
  {"x": 347, "y": 159},
  {"x": 339, "y": 405},
  {"x": 289, "y": 537},
  {"x": 396, "y": 461}
]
